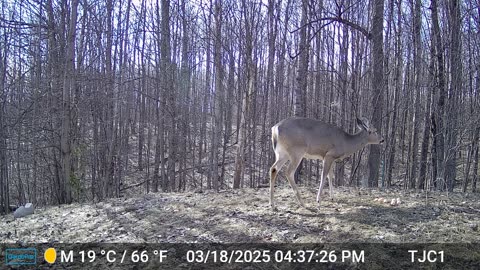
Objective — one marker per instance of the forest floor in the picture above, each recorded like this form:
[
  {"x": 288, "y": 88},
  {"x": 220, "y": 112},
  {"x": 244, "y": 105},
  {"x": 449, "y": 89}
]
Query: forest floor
[{"x": 245, "y": 216}]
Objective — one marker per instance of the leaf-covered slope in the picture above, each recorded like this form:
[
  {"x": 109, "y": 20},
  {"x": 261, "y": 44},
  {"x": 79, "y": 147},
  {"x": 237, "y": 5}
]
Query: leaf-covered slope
[{"x": 245, "y": 216}]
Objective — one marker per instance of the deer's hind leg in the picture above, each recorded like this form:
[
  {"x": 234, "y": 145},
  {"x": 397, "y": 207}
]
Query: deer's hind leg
[
  {"x": 292, "y": 167},
  {"x": 281, "y": 159}
]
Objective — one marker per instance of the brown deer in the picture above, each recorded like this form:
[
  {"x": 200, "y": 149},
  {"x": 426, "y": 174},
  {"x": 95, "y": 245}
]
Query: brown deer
[{"x": 297, "y": 138}]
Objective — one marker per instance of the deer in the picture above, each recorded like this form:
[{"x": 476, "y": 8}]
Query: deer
[{"x": 296, "y": 138}]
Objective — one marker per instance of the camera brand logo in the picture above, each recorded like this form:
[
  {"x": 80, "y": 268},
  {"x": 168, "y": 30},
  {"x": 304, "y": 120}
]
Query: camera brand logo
[{"x": 20, "y": 256}]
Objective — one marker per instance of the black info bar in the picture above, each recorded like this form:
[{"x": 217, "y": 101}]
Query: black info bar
[{"x": 240, "y": 256}]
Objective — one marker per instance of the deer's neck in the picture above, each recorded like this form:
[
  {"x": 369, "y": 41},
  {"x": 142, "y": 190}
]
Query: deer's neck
[{"x": 357, "y": 141}]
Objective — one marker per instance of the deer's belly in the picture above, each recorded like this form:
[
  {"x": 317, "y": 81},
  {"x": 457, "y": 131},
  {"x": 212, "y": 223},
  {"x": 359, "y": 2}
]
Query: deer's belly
[{"x": 313, "y": 156}]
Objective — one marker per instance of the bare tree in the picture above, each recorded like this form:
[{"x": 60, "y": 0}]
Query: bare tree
[
  {"x": 438, "y": 119},
  {"x": 454, "y": 92},
  {"x": 377, "y": 84},
  {"x": 169, "y": 96}
]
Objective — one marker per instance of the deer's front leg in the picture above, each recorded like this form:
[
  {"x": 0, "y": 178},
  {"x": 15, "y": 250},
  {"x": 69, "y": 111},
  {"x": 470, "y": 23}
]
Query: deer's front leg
[
  {"x": 327, "y": 163},
  {"x": 330, "y": 180}
]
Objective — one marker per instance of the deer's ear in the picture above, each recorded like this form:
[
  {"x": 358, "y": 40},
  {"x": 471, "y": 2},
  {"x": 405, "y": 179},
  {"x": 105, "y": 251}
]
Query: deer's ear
[{"x": 362, "y": 123}]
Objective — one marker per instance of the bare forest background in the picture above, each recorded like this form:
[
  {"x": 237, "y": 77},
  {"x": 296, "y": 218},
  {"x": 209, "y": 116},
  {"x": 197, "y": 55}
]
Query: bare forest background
[{"x": 100, "y": 97}]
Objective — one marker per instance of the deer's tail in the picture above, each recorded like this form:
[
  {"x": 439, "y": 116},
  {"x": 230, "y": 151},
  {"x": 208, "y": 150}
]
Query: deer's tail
[{"x": 274, "y": 137}]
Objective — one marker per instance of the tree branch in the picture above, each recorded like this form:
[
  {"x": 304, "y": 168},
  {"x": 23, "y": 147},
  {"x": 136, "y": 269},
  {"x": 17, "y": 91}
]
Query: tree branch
[{"x": 351, "y": 24}]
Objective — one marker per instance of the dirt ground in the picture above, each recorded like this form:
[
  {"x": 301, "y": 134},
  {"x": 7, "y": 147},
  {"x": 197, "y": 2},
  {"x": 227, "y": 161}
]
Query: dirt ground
[{"x": 245, "y": 216}]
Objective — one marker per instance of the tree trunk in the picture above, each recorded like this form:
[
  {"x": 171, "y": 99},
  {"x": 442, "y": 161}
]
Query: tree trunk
[
  {"x": 303, "y": 51},
  {"x": 377, "y": 83},
  {"x": 170, "y": 95},
  {"x": 218, "y": 96},
  {"x": 470, "y": 155},
  {"x": 4, "y": 183},
  {"x": 475, "y": 171},
  {"x": 300, "y": 93},
  {"x": 454, "y": 93},
  {"x": 68, "y": 88},
  {"x": 270, "y": 91},
  {"x": 426, "y": 131},
  {"x": 439, "y": 131},
  {"x": 417, "y": 71},
  {"x": 246, "y": 95}
]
